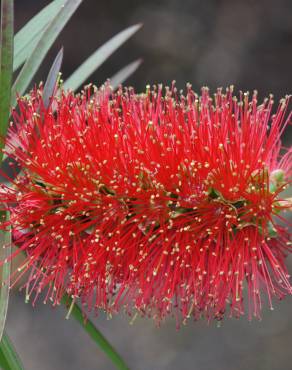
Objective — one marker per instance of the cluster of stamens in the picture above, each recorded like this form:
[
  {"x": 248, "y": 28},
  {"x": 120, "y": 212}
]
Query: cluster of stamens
[{"x": 161, "y": 204}]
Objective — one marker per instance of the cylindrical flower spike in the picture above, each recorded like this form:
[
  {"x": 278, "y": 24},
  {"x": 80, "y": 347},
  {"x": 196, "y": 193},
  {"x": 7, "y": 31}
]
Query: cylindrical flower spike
[{"x": 162, "y": 203}]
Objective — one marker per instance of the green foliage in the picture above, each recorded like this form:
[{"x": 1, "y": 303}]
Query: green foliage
[
  {"x": 98, "y": 57},
  {"x": 9, "y": 359},
  {"x": 94, "y": 333},
  {"x": 5, "y": 251},
  {"x": 28, "y": 37},
  {"x": 42, "y": 47},
  {"x": 124, "y": 73},
  {"x": 6, "y": 63},
  {"x": 52, "y": 78}
]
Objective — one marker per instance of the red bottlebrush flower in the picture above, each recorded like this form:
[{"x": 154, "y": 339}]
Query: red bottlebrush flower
[{"x": 164, "y": 204}]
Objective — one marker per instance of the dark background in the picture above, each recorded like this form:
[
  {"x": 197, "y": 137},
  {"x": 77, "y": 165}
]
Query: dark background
[{"x": 214, "y": 43}]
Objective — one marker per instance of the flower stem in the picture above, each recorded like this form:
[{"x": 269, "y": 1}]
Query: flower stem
[{"x": 94, "y": 333}]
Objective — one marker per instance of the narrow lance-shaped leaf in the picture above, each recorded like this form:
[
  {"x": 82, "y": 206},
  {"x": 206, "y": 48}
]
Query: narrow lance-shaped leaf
[
  {"x": 124, "y": 73},
  {"x": 52, "y": 78},
  {"x": 98, "y": 57},
  {"x": 6, "y": 63},
  {"x": 9, "y": 359},
  {"x": 5, "y": 251},
  {"x": 27, "y": 38},
  {"x": 94, "y": 333},
  {"x": 37, "y": 56},
  {"x": 47, "y": 93}
]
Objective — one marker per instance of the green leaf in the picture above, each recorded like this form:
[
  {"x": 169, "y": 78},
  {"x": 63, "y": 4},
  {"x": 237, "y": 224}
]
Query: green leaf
[
  {"x": 52, "y": 78},
  {"x": 98, "y": 57},
  {"x": 94, "y": 333},
  {"x": 37, "y": 56},
  {"x": 27, "y": 38},
  {"x": 124, "y": 73},
  {"x": 6, "y": 63},
  {"x": 9, "y": 359},
  {"x": 5, "y": 251}
]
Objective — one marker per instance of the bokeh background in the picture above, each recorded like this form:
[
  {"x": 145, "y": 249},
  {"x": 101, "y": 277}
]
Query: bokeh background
[{"x": 212, "y": 42}]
